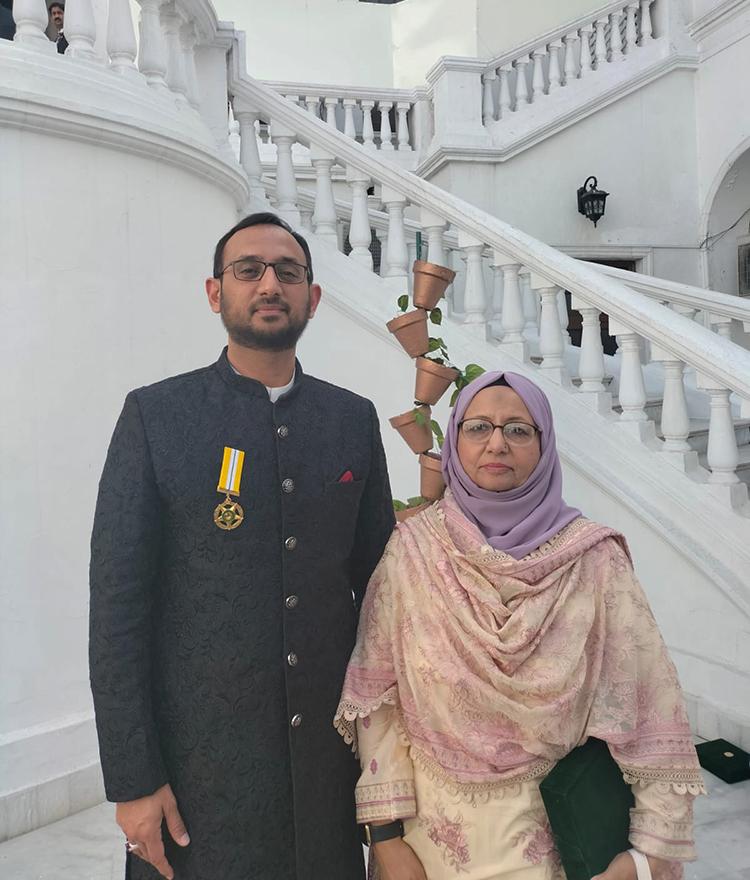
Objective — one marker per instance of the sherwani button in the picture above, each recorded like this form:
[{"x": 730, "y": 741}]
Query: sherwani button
[
  {"x": 291, "y": 658},
  {"x": 296, "y": 720},
  {"x": 290, "y": 543},
  {"x": 282, "y": 431},
  {"x": 291, "y": 602},
  {"x": 288, "y": 485}
]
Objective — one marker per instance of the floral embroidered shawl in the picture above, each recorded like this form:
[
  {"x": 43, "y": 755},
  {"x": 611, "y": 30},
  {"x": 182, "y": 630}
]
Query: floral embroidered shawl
[{"x": 500, "y": 667}]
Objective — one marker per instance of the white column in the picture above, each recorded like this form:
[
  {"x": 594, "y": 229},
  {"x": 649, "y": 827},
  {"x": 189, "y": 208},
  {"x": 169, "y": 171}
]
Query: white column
[
  {"x": 537, "y": 77},
  {"x": 615, "y": 38},
  {"x": 175, "y": 68},
  {"x": 331, "y": 104},
  {"x": 249, "y": 156},
  {"x": 585, "y": 66},
  {"x": 550, "y": 333},
  {"x": 121, "y": 45},
  {"x": 31, "y": 20},
  {"x": 631, "y": 34},
  {"x": 554, "y": 65},
  {"x": 286, "y": 183},
  {"x": 368, "y": 135},
  {"x": 349, "y": 129},
  {"x": 385, "y": 125},
  {"x": 600, "y": 46},
  {"x": 496, "y": 317},
  {"x": 324, "y": 216},
  {"x": 675, "y": 423},
  {"x": 397, "y": 257},
  {"x": 722, "y": 451},
  {"x": 632, "y": 390},
  {"x": 152, "y": 50},
  {"x": 433, "y": 228},
  {"x": 513, "y": 320},
  {"x": 591, "y": 360},
  {"x": 504, "y": 102},
  {"x": 312, "y": 102},
  {"x": 475, "y": 296},
  {"x": 80, "y": 29},
  {"x": 522, "y": 89},
  {"x": 488, "y": 99},
  {"x": 570, "y": 66},
  {"x": 402, "y": 108},
  {"x": 187, "y": 41},
  {"x": 529, "y": 300},
  {"x": 360, "y": 236},
  {"x": 646, "y": 26}
]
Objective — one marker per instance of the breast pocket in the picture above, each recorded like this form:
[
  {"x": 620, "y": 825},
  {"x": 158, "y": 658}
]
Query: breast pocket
[{"x": 339, "y": 514}]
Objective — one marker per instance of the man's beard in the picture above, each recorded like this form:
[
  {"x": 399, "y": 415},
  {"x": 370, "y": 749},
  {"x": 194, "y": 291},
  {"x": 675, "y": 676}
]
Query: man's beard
[{"x": 271, "y": 339}]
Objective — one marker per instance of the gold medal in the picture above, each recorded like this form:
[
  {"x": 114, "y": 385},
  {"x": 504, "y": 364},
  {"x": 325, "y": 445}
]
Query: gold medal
[{"x": 229, "y": 514}]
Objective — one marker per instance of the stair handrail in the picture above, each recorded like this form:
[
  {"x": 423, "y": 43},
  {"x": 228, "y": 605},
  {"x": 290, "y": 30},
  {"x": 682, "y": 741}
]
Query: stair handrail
[
  {"x": 719, "y": 360},
  {"x": 359, "y": 93}
]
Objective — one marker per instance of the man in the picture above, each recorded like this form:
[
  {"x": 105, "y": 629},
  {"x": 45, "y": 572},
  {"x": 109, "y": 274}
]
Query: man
[
  {"x": 242, "y": 509},
  {"x": 57, "y": 17}
]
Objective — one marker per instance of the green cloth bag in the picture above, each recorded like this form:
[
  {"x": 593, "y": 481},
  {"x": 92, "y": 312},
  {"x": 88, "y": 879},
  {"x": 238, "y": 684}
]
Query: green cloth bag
[{"x": 588, "y": 805}]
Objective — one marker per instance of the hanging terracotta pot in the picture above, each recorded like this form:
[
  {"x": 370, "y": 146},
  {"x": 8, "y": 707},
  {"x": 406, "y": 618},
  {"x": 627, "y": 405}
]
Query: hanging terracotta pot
[
  {"x": 433, "y": 380},
  {"x": 411, "y": 331},
  {"x": 431, "y": 483},
  {"x": 418, "y": 437},
  {"x": 401, "y": 515},
  {"x": 430, "y": 283}
]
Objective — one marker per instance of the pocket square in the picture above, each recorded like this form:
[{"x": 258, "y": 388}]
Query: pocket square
[{"x": 346, "y": 477}]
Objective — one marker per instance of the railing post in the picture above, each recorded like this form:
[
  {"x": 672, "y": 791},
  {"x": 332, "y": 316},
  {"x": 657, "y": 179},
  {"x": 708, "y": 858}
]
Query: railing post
[
  {"x": 331, "y": 104},
  {"x": 513, "y": 320},
  {"x": 433, "y": 226},
  {"x": 570, "y": 57},
  {"x": 152, "y": 52},
  {"x": 600, "y": 46},
  {"x": 504, "y": 101},
  {"x": 386, "y": 135},
  {"x": 585, "y": 65},
  {"x": 312, "y": 103},
  {"x": 249, "y": 155},
  {"x": 457, "y": 102},
  {"x": 591, "y": 361},
  {"x": 286, "y": 182},
  {"x": 631, "y": 34},
  {"x": 632, "y": 391},
  {"x": 554, "y": 65},
  {"x": 402, "y": 135},
  {"x": 121, "y": 44},
  {"x": 176, "y": 79},
  {"x": 80, "y": 30},
  {"x": 550, "y": 335},
  {"x": 397, "y": 254},
  {"x": 522, "y": 88},
  {"x": 360, "y": 236},
  {"x": 488, "y": 99},
  {"x": 529, "y": 300},
  {"x": 537, "y": 76},
  {"x": 324, "y": 216},
  {"x": 31, "y": 21},
  {"x": 475, "y": 296},
  {"x": 349, "y": 128},
  {"x": 496, "y": 316},
  {"x": 187, "y": 41},
  {"x": 368, "y": 134},
  {"x": 647, "y": 30},
  {"x": 615, "y": 38}
]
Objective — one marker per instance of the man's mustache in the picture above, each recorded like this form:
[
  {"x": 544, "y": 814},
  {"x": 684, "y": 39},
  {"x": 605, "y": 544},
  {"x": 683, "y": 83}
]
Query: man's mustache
[{"x": 273, "y": 301}]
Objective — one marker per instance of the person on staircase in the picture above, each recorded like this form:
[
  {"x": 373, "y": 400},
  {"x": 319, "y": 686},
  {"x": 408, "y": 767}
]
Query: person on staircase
[{"x": 500, "y": 630}]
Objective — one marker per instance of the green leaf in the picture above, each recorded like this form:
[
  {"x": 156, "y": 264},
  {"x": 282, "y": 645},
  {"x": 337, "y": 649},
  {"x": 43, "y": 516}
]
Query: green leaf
[
  {"x": 434, "y": 344},
  {"x": 454, "y": 396},
  {"x": 398, "y": 505},
  {"x": 473, "y": 371},
  {"x": 438, "y": 432},
  {"x": 416, "y": 501},
  {"x": 436, "y": 316},
  {"x": 419, "y": 417},
  {"x": 403, "y": 302}
]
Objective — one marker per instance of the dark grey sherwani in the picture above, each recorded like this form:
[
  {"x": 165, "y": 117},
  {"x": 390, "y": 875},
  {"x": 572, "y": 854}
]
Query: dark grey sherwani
[{"x": 206, "y": 643}]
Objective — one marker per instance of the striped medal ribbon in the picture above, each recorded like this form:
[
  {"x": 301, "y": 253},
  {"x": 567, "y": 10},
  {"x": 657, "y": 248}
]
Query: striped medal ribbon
[{"x": 229, "y": 514}]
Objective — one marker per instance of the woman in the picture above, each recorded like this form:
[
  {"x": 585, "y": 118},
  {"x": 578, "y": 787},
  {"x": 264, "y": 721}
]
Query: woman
[{"x": 499, "y": 631}]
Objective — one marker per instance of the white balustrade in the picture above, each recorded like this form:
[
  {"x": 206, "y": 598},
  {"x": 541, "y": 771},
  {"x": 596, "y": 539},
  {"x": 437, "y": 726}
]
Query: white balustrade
[
  {"x": 551, "y": 345},
  {"x": 402, "y": 134},
  {"x": 312, "y": 103},
  {"x": 176, "y": 79},
  {"x": 187, "y": 42},
  {"x": 675, "y": 422},
  {"x": 537, "y": 76},
  {"x": 368, "y": 134},
  {"x": 569, "y": 67},
  {"x": 646, "y": 26},
  {"x": 600, "y": 43},
  {"x": 496, "y": 314},
  {"x": 80, "y": 29},
  {"x": 360, "y": 236},
  {"x": 528, "y": 303},
  {"x": 397, "y": 254},
  {"x": 152, "y": 50},
  {"x": 306, "y": 219},
  {"x": 586, "y": 61},
  {"x": 324, "y": 216},
  {"x": 488, "y": 99},
  {"x": 522, "y": 89},
  {"x": 554, "y": 77},
  {"x": 386, "y": 135},
  {"x": 504, "y": 99},
  {"x": 433, "y": 227},
  {"x": 632, "y": 392},
  {"x": 722, "y": 453},
  {"x": 512, "y": 317},
  {"x": 249, "y": 155},
  {"x": 631, "y": 33},
  {"x": 591, "y": 360},
  {"x": 615, "y": 38},
  {"x": 31, "y": 21},
  {"x": 475, "y": 295},
  {"x": 286, "y": 181},
  {"x": 121, "y": 45},
  {"x": 331, "y": 104},
  {"x": 349, "y": 127}
]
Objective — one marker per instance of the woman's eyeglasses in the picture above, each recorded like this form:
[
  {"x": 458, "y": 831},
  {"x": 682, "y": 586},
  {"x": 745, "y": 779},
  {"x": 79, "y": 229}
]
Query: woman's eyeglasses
[{"x": 515, "y": 433}]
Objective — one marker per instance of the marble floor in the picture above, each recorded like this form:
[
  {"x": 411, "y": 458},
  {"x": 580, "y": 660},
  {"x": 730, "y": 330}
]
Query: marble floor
[{"x": 88, "y": 846}]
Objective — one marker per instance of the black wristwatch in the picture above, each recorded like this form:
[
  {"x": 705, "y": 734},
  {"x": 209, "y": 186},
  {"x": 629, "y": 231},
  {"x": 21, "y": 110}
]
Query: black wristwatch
[{"x": 378, "y": 833}]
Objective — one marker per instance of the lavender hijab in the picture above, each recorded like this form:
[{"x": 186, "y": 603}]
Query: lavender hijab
[{"x": 520, "y": 520}]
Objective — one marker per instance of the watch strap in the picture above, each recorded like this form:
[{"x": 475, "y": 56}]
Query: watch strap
[{"x": 379, "y": 833}]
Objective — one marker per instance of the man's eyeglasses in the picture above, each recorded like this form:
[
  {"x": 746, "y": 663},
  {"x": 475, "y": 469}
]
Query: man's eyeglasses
[
  {"x": 515, "y": 433},
  {"x": 287, "y": 272}
]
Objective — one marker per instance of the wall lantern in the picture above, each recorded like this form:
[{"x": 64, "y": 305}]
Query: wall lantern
[{"x": 591, "y": 200}]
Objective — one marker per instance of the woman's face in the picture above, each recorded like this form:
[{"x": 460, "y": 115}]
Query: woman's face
[{"x": 493, "y": 463}]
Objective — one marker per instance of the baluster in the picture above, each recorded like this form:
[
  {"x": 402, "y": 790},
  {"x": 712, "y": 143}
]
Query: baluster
[
  {"x": 600, "y": 44},
  {"x": 513, "y": 320},
  {"x": 368, "y": 135},
  {"x": 488, "y": 99},
  {"x": 591, "y": 360},
  {"x": 615, "y": 37},
  {"x": 528, "y": 303},
  {"x": 585, "y": 66},
  {"x": 646, "y": 26},
  {"x": 475, "y": 296},
  {"x": 397, "y": 258},
  {"x": 562, "y": 310},
  {"x": 433, "y": 227},
  {"x": 504, "y": 101},
  {"x": 121, "y": 45},
  {"x": 249, "y": 155},
  {"x": 570, "y": 57},
  {"x": 522, "y": 89},
  {"x": 233, "y": 136},
  {"x": 187, "y": 41},
  {"x": 458, "y": 287},
  {"x": 152, "y": 50},
  {"x": 675, "y": 422},
  {"x": 80, "y": 29},
  {"x": 382, "y": 236},
  {"x": 306, "y": 219},
  {"x": 175, "y": 68},
  {"x": 550, "y": 335},
  {"x": 403, "y": 107},
  {"x": 554, "y": 65},
  {"x": 360, "y": 236},
  {"x": 721, "y": 325},
  {"x": 496, "y": 317},
  {"x": 31, "y": 20},
  {"x": 349, "y": 128},
  {"x": 632, "y": 394},
  {"x": 312, "y": 103},
  {"x": 385, "y": 125},
  {"x": 537, "y": 75},
  {"x": 722, "y": 453},
  {"x": 331, "y": 104},
  {"x": 286, "y": 182},
  {"x": 631, "y": 34},
  {"x": 324, "y": 215}
]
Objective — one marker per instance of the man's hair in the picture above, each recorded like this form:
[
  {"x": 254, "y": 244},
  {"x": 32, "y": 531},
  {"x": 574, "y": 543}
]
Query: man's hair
[
  {"x": 57, "y": 4},
  {"x": 262, "y": 218}
]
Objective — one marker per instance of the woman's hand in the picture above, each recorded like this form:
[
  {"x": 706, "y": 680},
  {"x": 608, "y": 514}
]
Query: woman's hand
[
  {"x": 622, "y": 867},
  {"x": 397, "y": 860}
]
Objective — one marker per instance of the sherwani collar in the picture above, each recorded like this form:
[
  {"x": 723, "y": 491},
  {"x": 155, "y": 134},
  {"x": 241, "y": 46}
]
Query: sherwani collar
[{"x": 253, "y": 387}]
